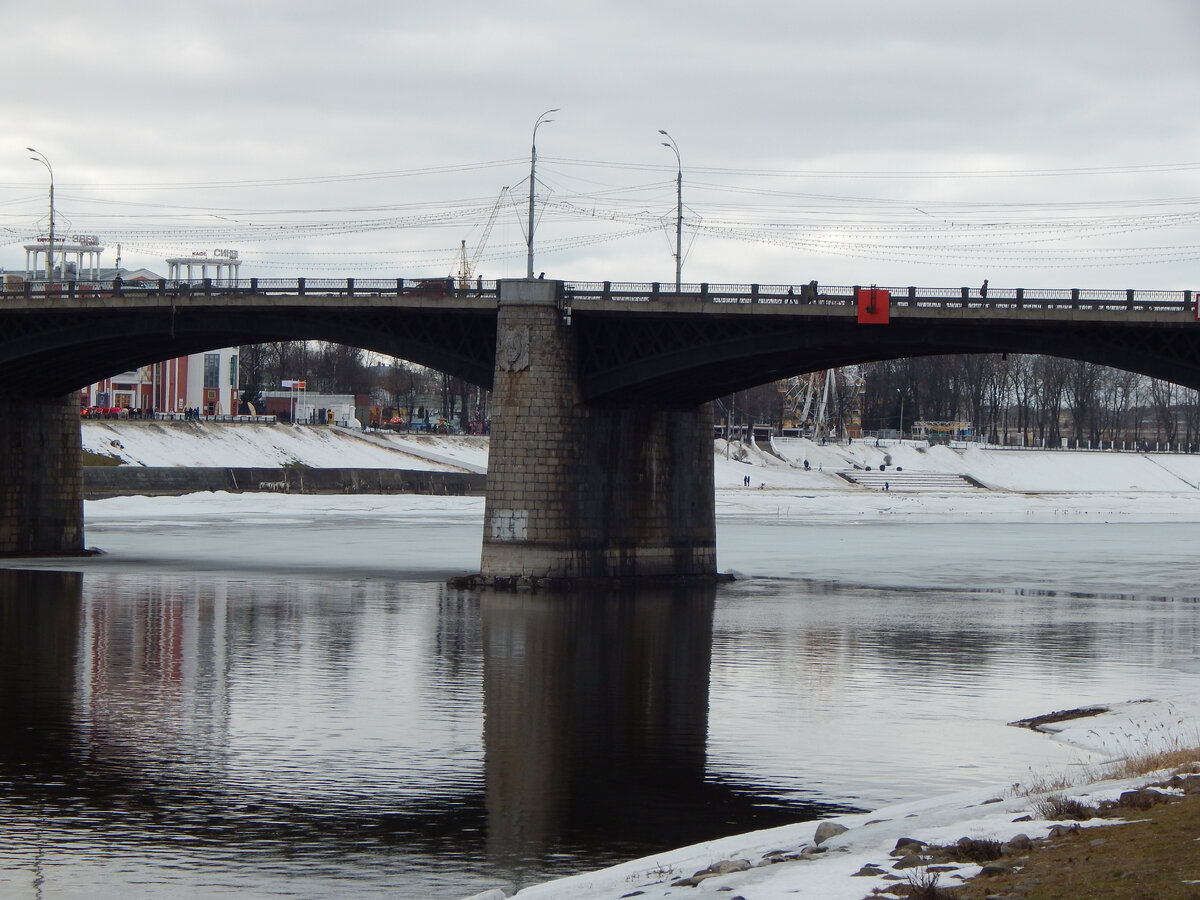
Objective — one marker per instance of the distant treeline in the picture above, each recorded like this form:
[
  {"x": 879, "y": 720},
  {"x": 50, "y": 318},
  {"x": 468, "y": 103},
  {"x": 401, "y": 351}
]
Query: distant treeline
[{"x": 1007, "y": 399}]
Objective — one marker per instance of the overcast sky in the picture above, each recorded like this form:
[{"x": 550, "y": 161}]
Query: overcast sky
[{"x": 926, "y": 142}]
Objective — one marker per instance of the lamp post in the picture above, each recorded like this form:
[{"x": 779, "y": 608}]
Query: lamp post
[
  {"x": 40, "y": 157},
  {"x": 532, "y": 167},
  {"x": 901, "y": 393},
  {"x": 678, "y": 207}
]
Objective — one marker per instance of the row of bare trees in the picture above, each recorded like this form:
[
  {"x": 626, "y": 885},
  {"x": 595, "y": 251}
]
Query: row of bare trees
[
  {"x": 1009, "y": 399},
  {"x": 1038, "y": 400},
  {"x": 1006, "y": 398},
  {"x": 337, "y": 369},
  {"x": 328, "y": 368}
]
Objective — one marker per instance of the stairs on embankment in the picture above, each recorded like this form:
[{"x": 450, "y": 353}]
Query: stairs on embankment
[{"x": 911, "y": 482}]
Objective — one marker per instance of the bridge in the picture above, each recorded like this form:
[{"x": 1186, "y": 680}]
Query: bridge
[{"x": 601, "y": 452}]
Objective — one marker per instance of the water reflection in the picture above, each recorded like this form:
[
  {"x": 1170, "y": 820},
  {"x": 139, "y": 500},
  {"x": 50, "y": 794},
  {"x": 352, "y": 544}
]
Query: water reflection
[
  {"x": 596, "y": 723},
  {"x": 208, "y": 736},
  {"x": 406, "y": 739},
  {"x": 39, "y": 626}
]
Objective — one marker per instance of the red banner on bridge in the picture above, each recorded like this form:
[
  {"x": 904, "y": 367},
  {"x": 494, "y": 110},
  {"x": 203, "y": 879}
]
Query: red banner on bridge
[{"x": 874, "y": 306}]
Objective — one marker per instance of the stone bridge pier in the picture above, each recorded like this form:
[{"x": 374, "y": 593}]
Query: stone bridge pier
[
  {"x": 581, "y": 492},
  {"x": 41, "y": 482}
]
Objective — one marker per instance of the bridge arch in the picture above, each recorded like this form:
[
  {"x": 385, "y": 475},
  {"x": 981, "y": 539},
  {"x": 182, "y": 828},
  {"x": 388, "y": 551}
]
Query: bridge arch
[
  {"x": 713, "y": 357},
  {"x": 65, "y": 350}
]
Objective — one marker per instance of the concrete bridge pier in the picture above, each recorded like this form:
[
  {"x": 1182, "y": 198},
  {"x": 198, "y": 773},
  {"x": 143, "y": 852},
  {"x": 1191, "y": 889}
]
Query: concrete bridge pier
[
  {"x": 582, "y": 492},
  {"x": 41, "y": 482}
]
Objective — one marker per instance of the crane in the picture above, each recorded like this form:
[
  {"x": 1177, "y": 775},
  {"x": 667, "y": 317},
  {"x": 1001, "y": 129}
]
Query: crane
[{"x": 466, "y": 266}]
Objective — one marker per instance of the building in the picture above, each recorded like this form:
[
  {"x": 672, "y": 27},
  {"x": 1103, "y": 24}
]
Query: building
[
  {"x": 313, "y": 408},
  {"x": 207, "y": 382},
  {"x": 68, "y": 256}
]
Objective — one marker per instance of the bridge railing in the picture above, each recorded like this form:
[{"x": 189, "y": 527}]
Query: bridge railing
[
  {"x": 266, "y": 287},
  {"x": 912, "y": 297},
  {"x": 633, "y": 292}
]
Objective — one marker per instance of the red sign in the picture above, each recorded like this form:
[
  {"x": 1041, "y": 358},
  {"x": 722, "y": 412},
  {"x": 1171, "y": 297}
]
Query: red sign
[{"x": 874, "y": 306}]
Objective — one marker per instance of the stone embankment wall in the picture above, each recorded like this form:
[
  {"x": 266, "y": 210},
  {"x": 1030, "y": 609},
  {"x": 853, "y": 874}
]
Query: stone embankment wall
[{"x": 100, "y": 482}]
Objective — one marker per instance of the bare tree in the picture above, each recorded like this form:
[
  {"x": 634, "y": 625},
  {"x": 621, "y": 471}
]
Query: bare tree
[{"x": 1163, "y": 398}]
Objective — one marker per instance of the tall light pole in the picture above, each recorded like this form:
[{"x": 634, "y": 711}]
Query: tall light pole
[
  {"x": 678, "y": 207},
  {"x": 901, "y": 393},
  {"x": 532, "y": 167},
  {"x": 40, "y": 157}
]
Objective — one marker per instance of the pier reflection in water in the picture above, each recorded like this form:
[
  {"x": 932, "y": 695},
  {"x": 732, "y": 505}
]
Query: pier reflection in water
[
  {"x": 596, "y": 724},
  {"x": 213, "y": 736}
]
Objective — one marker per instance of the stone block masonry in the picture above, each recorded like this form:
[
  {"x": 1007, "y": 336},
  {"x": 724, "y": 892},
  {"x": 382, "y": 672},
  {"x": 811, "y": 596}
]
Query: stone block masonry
[
  {"x": 41, "y": 484},
  {"x": 587, "y": 492}
]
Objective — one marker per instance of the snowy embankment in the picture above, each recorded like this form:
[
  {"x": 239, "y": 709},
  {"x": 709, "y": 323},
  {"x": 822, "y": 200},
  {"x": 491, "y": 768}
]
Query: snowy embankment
[
  {"x": 989, "y": 471},
  {"x": 943, "y": 484},
  {"x": 268, "y": 446},
  {"x": 793, "y": 861}
]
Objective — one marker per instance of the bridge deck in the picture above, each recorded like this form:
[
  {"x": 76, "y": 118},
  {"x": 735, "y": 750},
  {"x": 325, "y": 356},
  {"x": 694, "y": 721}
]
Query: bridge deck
[{"x": 623, "y": 298}]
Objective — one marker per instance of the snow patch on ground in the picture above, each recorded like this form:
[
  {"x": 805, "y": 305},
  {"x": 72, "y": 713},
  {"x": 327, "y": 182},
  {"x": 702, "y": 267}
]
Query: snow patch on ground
[{"x": 246, "y": 444}]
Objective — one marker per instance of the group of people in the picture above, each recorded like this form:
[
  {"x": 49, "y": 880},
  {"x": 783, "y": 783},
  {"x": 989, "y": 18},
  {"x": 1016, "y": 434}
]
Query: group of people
[
  {"x": 114, "y": 412},
  {"x": 191, "y": 414},
  {"x": 808, "y": 293}
]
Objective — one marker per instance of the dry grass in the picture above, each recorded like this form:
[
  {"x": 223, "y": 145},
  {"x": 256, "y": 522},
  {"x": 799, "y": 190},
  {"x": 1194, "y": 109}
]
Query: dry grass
[
  {"x": 923, "y": 885},
  {"x": 1152, "y": 858},
  {"x": 1182, "y": 756},
  {"x": 1178, "y": 761},
  {"x": 101, "y": 459},
  {"x": 1057, "y": 808},
  {"x": 1043, "y": 783}
]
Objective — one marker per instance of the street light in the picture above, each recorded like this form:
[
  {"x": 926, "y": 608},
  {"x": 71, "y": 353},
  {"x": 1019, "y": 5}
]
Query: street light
[
  {"x": 901, "y": 393},
  {"x": 532, "y": 166},
  {"x": 678, "y": 207},
  {"x": 40, "y": 157}
]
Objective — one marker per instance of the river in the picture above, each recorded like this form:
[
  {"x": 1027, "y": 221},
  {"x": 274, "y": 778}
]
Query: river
[{"x": 288, "y": 700}]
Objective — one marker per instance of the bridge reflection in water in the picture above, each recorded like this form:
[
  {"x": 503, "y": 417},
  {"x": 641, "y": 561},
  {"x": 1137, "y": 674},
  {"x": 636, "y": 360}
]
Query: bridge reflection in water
[{"x": 270, "y": 728}]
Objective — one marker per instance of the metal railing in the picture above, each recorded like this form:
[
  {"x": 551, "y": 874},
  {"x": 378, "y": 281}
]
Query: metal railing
[
  {"x": 902, "y": 297},
  {"x": 125, "y": 414},
  {"x": 583, "y": 292},
  {"x": 265, "y": 287}
]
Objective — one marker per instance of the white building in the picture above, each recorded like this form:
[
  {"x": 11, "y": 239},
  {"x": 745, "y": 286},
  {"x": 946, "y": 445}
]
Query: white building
[{"x": 207, "y": 382}]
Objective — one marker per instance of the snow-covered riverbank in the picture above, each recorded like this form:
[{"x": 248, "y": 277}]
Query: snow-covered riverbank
[
  {"x": 789, "y": 862},
  {"x": 904, "y": 464}
]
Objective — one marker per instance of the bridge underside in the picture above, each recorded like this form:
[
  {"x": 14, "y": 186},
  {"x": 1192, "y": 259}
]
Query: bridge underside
[
  {"x": 701, "y": 359},
  {"x": 56, "y": 352}
]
